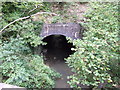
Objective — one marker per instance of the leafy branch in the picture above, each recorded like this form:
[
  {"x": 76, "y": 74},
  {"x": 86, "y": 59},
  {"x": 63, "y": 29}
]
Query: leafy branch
[{"x": 38, "y": 13}]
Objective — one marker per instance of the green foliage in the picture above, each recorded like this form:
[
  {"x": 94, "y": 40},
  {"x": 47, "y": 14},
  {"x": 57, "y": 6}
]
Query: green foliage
[
  {"x": 29, "y": 30},
  {"x": 96, "y": 58},
  {"x": 18, "y": 64},
  {"x": 21, "y": 68},
  {"x": 15, "y": 10}
]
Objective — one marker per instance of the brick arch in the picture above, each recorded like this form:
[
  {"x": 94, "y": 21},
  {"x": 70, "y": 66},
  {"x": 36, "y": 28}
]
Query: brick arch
[{"x": 72, "y": 30}]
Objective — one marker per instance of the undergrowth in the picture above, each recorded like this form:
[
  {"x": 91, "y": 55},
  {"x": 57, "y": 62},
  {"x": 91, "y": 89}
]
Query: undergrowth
[
  {"x": 19, "y": 64},
  {"x": 95, "y": 62}
]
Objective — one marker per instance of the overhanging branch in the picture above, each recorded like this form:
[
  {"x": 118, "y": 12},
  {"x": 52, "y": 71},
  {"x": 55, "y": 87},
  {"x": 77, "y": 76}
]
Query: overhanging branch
[{"x": 25, "y": 18}]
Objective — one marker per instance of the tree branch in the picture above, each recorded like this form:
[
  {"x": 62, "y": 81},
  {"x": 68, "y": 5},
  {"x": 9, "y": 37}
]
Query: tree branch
[
  {"x": 12, "y": 23},
  {"x": 35, "y": 8},
  {"x": 25, "y": 18}
]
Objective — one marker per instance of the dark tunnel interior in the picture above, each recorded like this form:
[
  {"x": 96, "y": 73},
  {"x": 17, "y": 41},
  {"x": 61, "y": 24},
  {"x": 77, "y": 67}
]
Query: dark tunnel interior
[{"x": 57, "y": 48}]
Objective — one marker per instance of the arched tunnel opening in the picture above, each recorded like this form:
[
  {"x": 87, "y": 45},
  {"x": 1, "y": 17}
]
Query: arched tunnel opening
[
  {"x": 54, "y": 52},
  {"x": 57, "y": 48}
]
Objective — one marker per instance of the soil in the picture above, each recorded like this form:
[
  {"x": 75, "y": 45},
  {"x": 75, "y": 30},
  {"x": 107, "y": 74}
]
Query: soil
[{"x": 68, "y": 12}]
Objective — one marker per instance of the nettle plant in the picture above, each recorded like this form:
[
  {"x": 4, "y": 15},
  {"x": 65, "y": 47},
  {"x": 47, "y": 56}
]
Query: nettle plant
[{"x": 95, "y": 62}]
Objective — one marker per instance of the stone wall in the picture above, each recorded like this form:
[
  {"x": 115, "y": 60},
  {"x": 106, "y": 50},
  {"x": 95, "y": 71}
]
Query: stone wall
[{"x": 72, "y": 30}]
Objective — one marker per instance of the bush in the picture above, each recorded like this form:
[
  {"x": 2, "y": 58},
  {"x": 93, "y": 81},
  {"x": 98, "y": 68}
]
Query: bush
[
  {"x": 18, "y": 63},
  {"x": 20, "y": 67},
  {"x": 15, "y": 10},
  {"x": 96, "y": 59}
]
